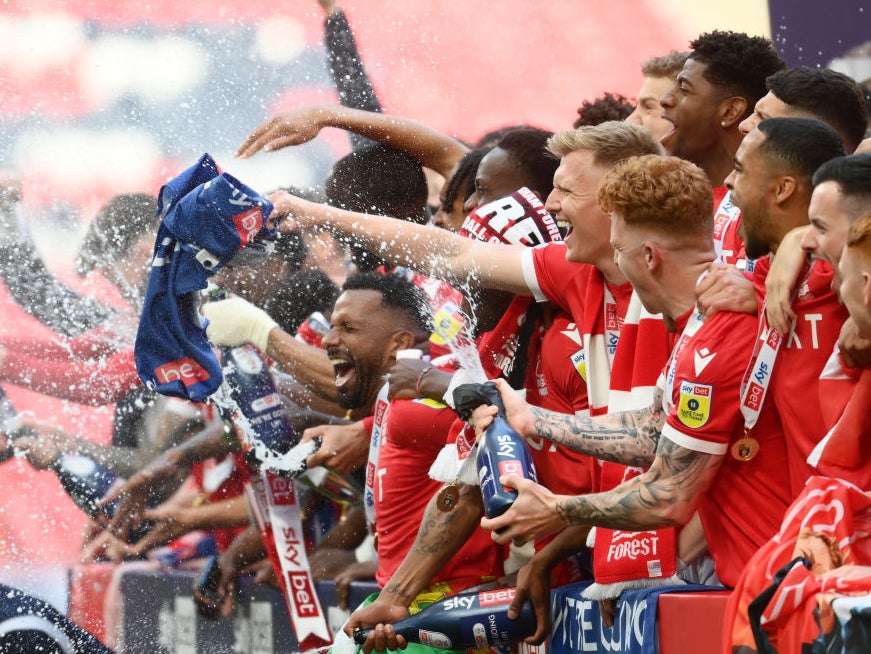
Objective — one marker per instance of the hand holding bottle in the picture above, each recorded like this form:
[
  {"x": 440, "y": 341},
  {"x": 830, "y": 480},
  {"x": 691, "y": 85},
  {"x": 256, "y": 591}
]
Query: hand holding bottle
[
  {"x": 517, "y": 411},
  {"x": 532, "y": 515},
  {"x": 382, "y": 614}
]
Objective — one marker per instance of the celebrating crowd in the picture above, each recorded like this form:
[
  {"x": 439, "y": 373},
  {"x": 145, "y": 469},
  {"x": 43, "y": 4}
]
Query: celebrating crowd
[{"x": 672, "y": 297}]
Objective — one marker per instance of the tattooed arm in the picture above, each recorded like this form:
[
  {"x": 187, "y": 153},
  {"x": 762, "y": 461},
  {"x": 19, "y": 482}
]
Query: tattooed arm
[
  {"x": 628, "y": 437},
  {"x": 440, "y": 536},
  {"x": 665, "y": 495}
]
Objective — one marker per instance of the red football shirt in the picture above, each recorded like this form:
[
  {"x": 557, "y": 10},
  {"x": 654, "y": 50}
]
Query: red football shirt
[
  {"x": 746, "y": 501},
  {"x": 415, "y": 432},
  {"x": 802, "y": 357}
]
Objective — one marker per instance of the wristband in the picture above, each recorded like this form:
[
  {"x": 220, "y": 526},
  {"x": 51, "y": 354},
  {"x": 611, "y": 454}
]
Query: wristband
[{"x": 420, "y": 379}]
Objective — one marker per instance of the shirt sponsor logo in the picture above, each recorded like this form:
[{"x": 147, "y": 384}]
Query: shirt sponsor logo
[
  {"x": 579, "y": 361},
  {"x": 754, "y": 396},
  {"x": 185, "y": 370},
  {"x": 489, "y": 598},
  {"x": 694, "y": 405}
]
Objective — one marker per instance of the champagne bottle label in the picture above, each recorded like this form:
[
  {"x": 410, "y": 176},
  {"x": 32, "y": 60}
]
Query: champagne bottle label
[
  {"x": 434, "y": 639},
  {"x": 472, "y": 619}
]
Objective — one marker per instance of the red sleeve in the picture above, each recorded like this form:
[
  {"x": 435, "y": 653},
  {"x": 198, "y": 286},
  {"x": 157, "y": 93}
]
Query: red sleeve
[{"x": 91, "y": 381}]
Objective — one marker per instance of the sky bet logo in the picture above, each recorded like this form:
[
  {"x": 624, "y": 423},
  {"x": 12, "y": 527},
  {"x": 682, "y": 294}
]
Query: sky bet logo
[
  {"x": 185, "y": 370},
  {"x": 248, "y": 224}
]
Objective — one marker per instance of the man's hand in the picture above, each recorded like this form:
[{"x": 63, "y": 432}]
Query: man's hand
[
  {"x": 135, "y": 493},
  {"x": 352, "y": 572},
  {"x": 413, "y": 378},
  {"x": 327, "y": 562},
  {"x": 344, "y": 448},
  {"x": 533, "y": 514},
  {"x": 235, "y": 321},
  {"x": 170, "y": 522},
  {"x": 855, "y": 350},
  {"x": 100, "y": 545},
  {"x": 517, "y": 411},
  {"x": 224, "y": 605},
  {"x": 725, "y": 288},
  {"x": 330, "y": 7},
  {"x": 289, "y": 128},
  {"x": 382, "y": 615},
  {"x": 782, "y": 278},
  {"x": 533, "y": 584}
]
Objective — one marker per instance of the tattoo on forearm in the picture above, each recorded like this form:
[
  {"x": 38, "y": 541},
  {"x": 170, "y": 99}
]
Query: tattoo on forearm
[
  {"x": 663, "y": 496},
  {"x": 628, "y": 437}
]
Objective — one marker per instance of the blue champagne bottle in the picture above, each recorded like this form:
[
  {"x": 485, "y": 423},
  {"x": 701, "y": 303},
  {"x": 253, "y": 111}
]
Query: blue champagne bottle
[
  {"x": 501, "y": 450},
  {"x": 474, "y": 619},
  {"x": 264, "y": 418},
  {"x": 87, "y": 482}
]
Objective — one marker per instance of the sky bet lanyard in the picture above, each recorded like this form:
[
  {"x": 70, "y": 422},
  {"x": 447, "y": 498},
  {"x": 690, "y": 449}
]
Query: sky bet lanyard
[
  {"x": 757, "y": 377},
  {"x": 693, "y": 325},
  {"x": 382, "y": 405},
  {"x": 611, "y": 325}
]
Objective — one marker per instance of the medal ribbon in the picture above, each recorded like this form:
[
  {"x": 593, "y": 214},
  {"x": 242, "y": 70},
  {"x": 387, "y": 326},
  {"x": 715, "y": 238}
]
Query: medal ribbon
[
  {"x": 382, "y": 405},
  {"x": 693, "y": 325},
  {"x": 611, "y": 324},
  {"x": 757, "y": 377},
  {"x": 273, "y": 501}
]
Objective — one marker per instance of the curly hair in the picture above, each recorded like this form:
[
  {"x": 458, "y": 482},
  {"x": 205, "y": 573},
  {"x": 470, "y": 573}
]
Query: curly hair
[
  {"x": 610, "y": 142},
  {"x": 668, "y": 195},
  {"x": 611, "y": 106},
  {"x": 463, "y": 179},
  {"x": 824, "y": 94},
  {"x": 398, "y": 293},
  {"x": 737, "y": 62},
  {"x": 379, "y": 180},
  {"x": 527, "y": 147}
]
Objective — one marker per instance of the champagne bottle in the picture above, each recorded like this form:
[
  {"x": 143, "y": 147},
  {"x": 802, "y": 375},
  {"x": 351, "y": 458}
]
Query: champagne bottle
[
  {"x": 9, "y": 429},
  {"x": 263, "y": 419},
  {"x": 472, "y": 619},
  {"x": 87, "y": 482},
  {"x": 501, "y": 450}
]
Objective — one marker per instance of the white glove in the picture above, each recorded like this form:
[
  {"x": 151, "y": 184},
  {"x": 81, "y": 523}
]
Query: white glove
[{"x": 235, "y": 321}]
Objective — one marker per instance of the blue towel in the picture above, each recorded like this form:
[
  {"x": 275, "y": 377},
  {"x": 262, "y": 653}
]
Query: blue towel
[{"x": 208, "y": 218}]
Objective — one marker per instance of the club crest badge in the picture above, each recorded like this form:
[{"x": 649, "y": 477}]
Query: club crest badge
[{"x": 694, "y": 406}]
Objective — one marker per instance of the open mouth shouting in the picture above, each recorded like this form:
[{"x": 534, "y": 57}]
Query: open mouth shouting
[
  {"x": 665, "y": 138},
  {"x": 344, "y": 367}
]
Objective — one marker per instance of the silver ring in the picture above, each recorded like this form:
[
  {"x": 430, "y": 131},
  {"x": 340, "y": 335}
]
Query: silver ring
[{"x": 334, "y": 453}]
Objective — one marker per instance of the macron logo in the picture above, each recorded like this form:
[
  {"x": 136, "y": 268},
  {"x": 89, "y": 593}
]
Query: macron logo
[{"x": 702, "y": 358}]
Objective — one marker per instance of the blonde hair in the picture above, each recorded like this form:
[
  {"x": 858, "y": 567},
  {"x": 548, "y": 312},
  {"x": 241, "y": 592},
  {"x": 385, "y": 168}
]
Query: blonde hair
[
  {"x": 665, "y": 194},
  {"x": 610, "y": 142}
]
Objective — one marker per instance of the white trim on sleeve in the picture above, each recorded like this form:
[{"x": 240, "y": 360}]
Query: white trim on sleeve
[
  {"x": 691, "y": 443},
  {"x": 527, "y": 266}
]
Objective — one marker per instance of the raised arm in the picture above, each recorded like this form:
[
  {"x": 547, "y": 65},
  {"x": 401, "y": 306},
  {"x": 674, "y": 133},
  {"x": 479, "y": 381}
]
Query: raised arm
[
  {"x": 343, "y": 58},
  {"x": 430, "y": 147},
  {"x": 30, "y": 283},
  {"x": 436, "y": 252}
]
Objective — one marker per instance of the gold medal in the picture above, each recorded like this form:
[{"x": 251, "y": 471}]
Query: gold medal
[
  {"x": 745, "y": 448},
  {"x": 448, "y": 497}
]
